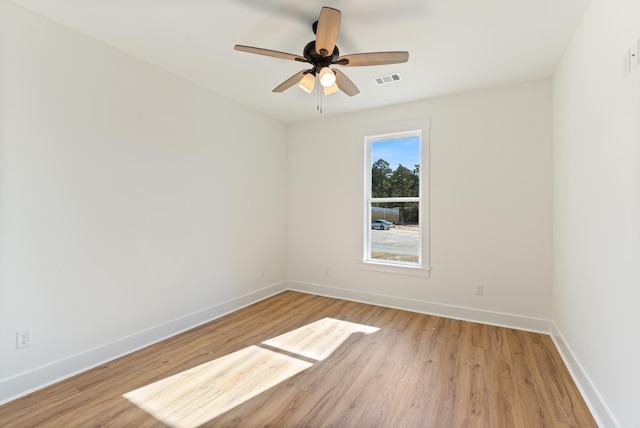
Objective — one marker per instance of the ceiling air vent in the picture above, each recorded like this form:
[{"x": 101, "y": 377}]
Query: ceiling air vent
[{"x": 387, "y": 78}]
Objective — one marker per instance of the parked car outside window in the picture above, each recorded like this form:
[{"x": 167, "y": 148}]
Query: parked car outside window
[{"x": 381, "y": 224}]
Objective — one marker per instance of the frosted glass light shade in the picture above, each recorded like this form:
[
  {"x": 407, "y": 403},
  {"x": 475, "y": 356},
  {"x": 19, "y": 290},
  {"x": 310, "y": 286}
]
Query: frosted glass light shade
[
  {"x": 327, "y": 77},
  {"x": 331, "y": 89},
  {"x": 307, "y": 83}
]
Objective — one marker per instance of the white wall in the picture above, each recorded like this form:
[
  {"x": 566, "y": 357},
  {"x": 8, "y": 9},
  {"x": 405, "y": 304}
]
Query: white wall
[
  {"x": 597, "y": 210},
  {"x": 491, "y": 207},
  {"x": 128, "y": 200},
  {"x": 133, "y": 204}
]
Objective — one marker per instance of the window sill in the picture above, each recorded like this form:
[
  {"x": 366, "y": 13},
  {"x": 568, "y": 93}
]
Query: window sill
[{"x": 394, "y": 268}]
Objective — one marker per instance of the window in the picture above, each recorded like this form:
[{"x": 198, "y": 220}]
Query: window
[{"x": 395, "y": 188}]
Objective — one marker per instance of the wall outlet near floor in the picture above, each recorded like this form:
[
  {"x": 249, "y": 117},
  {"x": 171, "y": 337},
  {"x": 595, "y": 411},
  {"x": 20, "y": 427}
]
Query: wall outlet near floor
[
  {"x": 479, "y": 290},
  {"x": 23, "y": 339}
]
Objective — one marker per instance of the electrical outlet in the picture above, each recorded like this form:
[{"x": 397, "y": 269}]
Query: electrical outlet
[
  {"x": 23, "y": 339},
  {"x": 263, "y": 272},
  {"x": 479, "y": 290},
  {"x": 327, "y": 270}
]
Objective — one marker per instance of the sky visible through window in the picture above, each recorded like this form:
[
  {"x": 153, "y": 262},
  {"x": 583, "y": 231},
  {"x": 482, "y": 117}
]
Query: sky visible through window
[{"x": 405, "y": 151}]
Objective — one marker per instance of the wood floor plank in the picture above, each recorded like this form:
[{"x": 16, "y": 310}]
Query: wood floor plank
[{"x": 298, "y": 360}]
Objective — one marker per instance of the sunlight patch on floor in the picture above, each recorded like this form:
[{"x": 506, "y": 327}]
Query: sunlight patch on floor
[
  {"x": 320, "y": 339},
  {"x": 195, "y": 396}
]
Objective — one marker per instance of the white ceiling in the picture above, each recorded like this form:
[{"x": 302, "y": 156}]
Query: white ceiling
[{"x": 454, "y": 45}]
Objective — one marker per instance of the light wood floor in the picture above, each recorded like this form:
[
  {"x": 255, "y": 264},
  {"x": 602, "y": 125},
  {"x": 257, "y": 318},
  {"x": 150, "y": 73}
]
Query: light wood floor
[{"x": 298, "y": 360}]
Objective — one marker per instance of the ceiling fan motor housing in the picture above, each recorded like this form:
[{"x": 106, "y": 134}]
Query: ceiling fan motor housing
[{"x": 318, "y": 61}]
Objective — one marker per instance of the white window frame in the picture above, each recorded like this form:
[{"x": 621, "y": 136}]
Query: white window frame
[{"x": 384, "y": 132}]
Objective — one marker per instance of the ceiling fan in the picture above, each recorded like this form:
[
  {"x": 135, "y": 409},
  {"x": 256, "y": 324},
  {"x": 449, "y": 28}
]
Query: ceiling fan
[{"x": 322, "y": 53}]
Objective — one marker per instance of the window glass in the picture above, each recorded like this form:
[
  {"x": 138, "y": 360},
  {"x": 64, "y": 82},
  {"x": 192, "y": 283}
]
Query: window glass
[
  {"x": 395, "y": 232},
  {"x": 394, "y": 199}
]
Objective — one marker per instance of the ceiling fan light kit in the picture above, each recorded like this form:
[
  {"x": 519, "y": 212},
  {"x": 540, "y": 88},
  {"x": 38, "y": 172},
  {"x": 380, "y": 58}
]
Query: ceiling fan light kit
[
  {"x": 331, "y": 89},
  {"x": 307, "y": 83},
  {"x": 327, "y": 78},
  {"x": 323, "y": 53}
]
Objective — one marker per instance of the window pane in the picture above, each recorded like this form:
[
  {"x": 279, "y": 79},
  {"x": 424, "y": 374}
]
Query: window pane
[
  {"x": 395, "y": 168},
  {"x": 395, "y": 232}
]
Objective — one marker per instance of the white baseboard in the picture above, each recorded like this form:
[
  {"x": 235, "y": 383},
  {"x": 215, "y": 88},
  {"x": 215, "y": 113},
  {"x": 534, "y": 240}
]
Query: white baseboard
[
  {"x": 27, "y": 382},
  {"x": 599, "y": 409},
  {"x": 456, "y": 312},
  {"x": 32, "y": 380}
]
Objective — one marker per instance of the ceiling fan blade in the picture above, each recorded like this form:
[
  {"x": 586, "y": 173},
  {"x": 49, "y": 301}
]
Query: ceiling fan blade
[
  {"x": 373, "y": 58},
  {"x": 327, "y": 30},
  {"x": 290, "y": 81},
  {"x": 269, "y": 52},
  {"x": 345, "y": 84}
]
